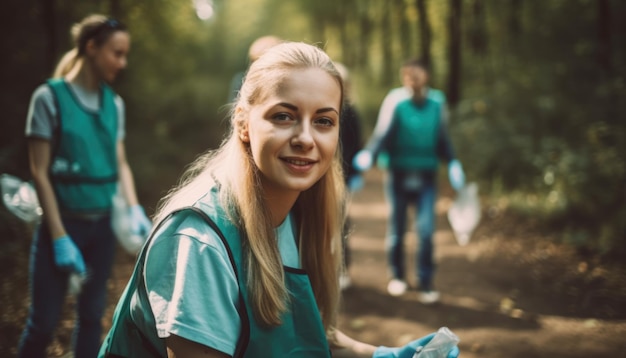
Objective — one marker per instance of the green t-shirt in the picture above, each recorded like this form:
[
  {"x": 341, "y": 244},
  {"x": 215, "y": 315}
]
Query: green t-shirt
[{"x": 188, "y": 267}]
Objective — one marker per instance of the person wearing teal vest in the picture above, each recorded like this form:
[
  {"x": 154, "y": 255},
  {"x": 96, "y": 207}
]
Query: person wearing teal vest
[
  {"x": 391, "y": 100},
  {"x": 264, "y": 281},
  {"x": 414, "y": 138},
  {"x": 75, "y": 135}
]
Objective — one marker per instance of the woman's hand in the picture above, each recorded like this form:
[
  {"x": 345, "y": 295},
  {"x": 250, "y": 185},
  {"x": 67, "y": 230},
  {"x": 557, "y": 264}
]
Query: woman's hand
[{"x": 409, "y": 350}]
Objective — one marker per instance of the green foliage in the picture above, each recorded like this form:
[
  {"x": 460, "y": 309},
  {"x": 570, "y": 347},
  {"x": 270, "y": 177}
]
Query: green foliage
[
  {"x": 540, "y": 120},
  {"x": 542, "y": 124}
]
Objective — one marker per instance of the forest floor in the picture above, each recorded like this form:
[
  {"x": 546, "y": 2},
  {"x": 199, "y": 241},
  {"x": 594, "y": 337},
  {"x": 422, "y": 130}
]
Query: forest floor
[{"x": 513, "y": 291}]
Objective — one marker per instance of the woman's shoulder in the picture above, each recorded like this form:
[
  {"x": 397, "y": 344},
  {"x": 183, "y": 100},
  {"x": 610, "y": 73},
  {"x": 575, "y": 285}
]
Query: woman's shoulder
[
  {"x": 43, "y": 93},
  {"x": 188, "y": 224}
]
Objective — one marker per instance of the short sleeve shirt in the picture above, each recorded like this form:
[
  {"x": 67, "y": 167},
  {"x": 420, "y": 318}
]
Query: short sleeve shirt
[
  {"x": 42, "y": 119},
  {"x": 192, "y": 286}
]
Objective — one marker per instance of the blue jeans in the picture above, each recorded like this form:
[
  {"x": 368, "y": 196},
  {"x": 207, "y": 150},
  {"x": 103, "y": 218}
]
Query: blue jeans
[
  {"x": 418, "y": 188},
  {"x": 49, "y": 285}
]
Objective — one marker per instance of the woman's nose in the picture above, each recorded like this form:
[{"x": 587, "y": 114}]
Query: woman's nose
[{"x": 302, "y": 136}]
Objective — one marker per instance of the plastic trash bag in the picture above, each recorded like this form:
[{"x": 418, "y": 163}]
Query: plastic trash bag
[
  {"x": 464, "y": 214},
  {"x": 121, "y": 225},
  {"x": 438, "y": 347},
  {"x": 20, "y": 198},
  {"x": 76, "y": 282}
]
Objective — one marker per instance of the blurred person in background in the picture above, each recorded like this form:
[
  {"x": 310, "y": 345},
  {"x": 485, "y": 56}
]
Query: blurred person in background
[
  {"x": 412, "y": 131},
  {"x": 75, "y": 132},
  {"x": 351, "y": 143},
  {"x": 255, "y": 51}
]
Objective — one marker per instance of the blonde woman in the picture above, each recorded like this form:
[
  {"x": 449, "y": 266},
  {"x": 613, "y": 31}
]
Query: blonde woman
[
  {"x": 262, "y": 282},
  {"x": 75, "y": 132}
]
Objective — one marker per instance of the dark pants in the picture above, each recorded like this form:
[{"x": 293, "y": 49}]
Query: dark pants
[
  {"x": 49, "y": 286},
  {"x": 404, "y": 189}
]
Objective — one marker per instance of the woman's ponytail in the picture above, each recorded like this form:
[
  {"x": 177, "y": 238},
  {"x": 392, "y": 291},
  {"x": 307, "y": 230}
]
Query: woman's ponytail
[{"x": 67, "y": 62}]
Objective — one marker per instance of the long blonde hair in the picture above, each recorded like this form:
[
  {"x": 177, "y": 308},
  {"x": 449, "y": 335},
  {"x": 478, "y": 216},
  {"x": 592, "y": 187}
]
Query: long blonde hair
[
  {"x": 98, "y": 28},
  {"x": 318, "y": 210}
]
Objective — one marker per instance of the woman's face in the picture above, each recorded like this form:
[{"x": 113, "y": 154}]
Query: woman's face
[
  {"x": 293, "y": 133},
  {"x": 110, "y": 58}
]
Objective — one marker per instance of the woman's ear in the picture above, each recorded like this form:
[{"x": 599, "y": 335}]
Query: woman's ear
[
  {"x": 90, "y": 47},
  {"x": 242, "y": 126},
  {"x": 243, "y": 135}
]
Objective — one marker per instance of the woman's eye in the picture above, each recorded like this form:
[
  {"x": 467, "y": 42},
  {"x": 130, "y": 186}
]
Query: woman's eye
[
  {"x": 326, "y": 122},
  {"x": 281, "y": 117}
]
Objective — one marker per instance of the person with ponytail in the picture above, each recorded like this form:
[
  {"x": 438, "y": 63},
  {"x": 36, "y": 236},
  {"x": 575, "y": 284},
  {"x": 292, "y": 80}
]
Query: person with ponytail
[
  {"x": 247, "y": 252},
  {"x": 75, "y": 133}
]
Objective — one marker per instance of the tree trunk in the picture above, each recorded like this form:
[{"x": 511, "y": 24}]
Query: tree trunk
[
  {"x": 477, "y": 31},
  {"x": 365, "y": 31},
  {"x": 454, "y": 74},
  {"x": 406, "y": 43},
  {"x": 385, "y": 43},
  {"x": 115, "y": 8},
  {"x": 515, "y": 15},
  {"x": 604, "y": 35},
  {"x": 425, "y": 32},
  {"x": 343, "y": 26},
  {"x": 49, "y": 21}
]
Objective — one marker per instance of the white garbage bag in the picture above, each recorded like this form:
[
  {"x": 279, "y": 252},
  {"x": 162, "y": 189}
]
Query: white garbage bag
[
  {"x": 20, "y": 198},
  {"x": 464, "y": 214},
  {"x": 121, "y": 225}
]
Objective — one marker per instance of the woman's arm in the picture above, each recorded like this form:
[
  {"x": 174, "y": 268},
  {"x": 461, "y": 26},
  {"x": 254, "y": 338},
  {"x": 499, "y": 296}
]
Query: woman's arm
[
  {"x": 39, "y": 162},
  {"x": 178, "y": 347},
  {"x": 344, "y": 346}
]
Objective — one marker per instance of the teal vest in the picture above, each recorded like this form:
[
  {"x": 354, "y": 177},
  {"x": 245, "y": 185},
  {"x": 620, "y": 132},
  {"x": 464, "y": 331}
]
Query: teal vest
[
  {"x": 436, "y": 95},
  {"x": 301, "y": 333},
  {"x": 84, "y": 161},
  {"x": 412, "y": 142}
]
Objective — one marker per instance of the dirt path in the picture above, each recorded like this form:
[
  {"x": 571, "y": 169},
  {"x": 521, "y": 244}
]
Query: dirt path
[
  {"x": 493, "y": 296},
  {"x": 509, "y": 293}
]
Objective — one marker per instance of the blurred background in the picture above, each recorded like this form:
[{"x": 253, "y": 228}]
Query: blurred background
[{"x": 536, "y": 89}]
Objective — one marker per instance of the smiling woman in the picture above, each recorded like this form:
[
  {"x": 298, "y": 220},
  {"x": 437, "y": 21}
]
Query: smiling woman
[
  {"x": 247, "y": 256},
  {"x": 293, "y": 134}
]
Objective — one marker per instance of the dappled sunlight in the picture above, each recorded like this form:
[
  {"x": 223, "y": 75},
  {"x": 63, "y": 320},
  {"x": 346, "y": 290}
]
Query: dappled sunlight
[{"x": 369, "y": 210}]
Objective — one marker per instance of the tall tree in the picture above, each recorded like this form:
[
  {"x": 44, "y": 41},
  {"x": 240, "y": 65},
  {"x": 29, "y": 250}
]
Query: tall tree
[
  {"x": 604, "y": 35},
  {"x": 425, "y": 32},
  {"x": 50, "y": 25},
  {"x": 386, "y": 43},
  {"x": 406, "y": 43},
  {"x": 115, "y": 9},
  {"x": 348, "y": 25},
  {"x": 365, "y": 32},
  {"x": 454, "y": 73},
  {"x": 515, "y": 18},
  {"x": 477, "y": 28}
]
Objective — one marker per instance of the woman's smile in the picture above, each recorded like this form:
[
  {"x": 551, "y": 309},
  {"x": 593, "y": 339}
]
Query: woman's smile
[
  {"x": 299, "y": 165},
  {"x": 293, "y": 133}
]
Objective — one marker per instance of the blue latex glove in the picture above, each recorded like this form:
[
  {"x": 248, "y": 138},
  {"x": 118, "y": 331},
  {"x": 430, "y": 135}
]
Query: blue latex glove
[
  {"x": 139, "y": 222},
  {"x": 355, "y": 183},
  {"x": 363, "y": 160},
  {"x": 409, "y": 350},
  {"x": 67, "y": 256},
  {"x": 456, "y": 175}
]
